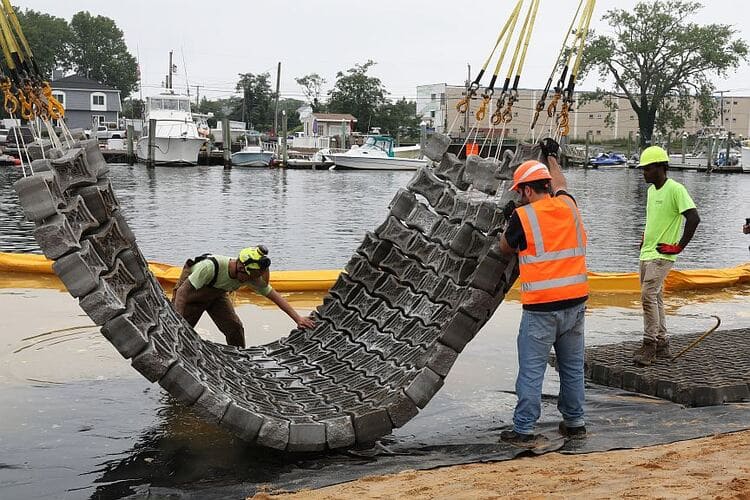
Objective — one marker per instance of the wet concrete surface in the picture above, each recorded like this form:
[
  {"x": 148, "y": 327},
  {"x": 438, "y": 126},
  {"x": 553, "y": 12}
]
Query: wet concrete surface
[{"x": 78, "y": 422}]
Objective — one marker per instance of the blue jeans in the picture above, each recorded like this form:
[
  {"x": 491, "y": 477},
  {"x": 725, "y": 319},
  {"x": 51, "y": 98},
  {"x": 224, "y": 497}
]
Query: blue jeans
[{"x": 537, "y": 334}]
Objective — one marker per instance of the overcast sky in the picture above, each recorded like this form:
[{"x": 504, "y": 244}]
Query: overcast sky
[{"x": 414, "y": 42}]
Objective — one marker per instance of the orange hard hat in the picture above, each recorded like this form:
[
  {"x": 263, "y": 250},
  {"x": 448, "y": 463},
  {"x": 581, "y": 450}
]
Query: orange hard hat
[{"x": 528, "y": 171}]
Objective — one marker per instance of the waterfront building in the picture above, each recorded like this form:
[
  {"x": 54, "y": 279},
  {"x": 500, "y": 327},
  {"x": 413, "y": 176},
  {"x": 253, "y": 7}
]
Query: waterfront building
[
  {"x": 87, "y": 103},
  {"x": 436, "y": 106}
]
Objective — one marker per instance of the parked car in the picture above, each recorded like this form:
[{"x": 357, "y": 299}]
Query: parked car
[
  {"x": 15, "y": 135},
  {"x": 110, "y": 130}
]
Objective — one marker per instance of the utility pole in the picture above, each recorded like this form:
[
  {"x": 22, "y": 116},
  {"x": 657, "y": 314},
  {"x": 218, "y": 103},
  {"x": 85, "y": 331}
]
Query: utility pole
[
  {"x": 721, "y": 107},
  {"x": 276, "y": 112},
  {"x": 198, "y": 95},
  {"x": 169, "y": 77},
  {"x": 468, "y": 101}
]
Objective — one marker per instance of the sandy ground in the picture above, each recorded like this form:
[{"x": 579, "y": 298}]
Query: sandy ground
[{"x": 716, "y": 467}]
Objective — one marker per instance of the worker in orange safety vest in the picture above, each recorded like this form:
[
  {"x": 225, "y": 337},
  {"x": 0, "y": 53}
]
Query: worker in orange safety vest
[{"x": 547, "y": 234}]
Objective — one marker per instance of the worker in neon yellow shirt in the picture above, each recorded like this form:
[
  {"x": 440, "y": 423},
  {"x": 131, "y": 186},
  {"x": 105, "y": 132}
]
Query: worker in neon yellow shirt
[
  {"x": 206, "y": 281},
  {"x": 667, "y": 204}
]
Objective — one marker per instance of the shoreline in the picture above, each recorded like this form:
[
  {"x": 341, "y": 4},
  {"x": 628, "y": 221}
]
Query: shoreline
[{"x": 717, "y": 466}]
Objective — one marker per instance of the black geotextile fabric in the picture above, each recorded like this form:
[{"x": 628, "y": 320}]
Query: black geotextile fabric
[{"x": 453, "y": 433}]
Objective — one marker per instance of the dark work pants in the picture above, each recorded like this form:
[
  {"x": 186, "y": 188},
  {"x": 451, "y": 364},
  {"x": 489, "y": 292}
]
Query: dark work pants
[{"x": 191, "y": 304}]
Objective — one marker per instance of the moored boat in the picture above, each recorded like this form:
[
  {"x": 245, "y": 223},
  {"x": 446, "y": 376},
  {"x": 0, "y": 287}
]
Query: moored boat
[
  {"x": 377, "y": 153},
  {"x": 176, "y": 137}
]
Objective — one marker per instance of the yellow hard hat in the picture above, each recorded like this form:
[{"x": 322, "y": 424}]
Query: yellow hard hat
[
  {"x": 254, "y": 258},
  {"x": 653, "y": 154}
]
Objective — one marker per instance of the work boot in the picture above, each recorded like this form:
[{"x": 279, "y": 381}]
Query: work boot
[
  {"x": 646, "y": 354},
  {"x": 572, "y": 432},
  {"x": 518, "y": 439},
  {"x": 662, "y": 349}
]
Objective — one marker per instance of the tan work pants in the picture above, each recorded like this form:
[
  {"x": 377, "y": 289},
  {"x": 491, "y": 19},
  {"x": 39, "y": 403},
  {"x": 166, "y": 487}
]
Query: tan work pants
[
  {"x": 191, "y": 304},
  {"x": 652, "y": 276}
]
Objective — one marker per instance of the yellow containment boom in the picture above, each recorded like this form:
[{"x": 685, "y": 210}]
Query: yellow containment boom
[{"x": 322, "y": 280}]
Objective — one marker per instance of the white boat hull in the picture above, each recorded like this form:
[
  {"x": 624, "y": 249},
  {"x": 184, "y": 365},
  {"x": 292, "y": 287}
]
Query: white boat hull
[
  {"x": 343, "y": 162},
  {"x": 245, "y": 159},
  {"x": 171, "y": 150}
]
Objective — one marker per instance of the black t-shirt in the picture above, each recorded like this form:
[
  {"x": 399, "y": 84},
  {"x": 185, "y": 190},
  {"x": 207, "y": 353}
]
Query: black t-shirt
[{"x": 516, "y": 238}]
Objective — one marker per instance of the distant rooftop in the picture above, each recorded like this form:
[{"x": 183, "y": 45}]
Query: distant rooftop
[
  {"x": 333, "y": 117},
  {"x": 79, "y": 82}
]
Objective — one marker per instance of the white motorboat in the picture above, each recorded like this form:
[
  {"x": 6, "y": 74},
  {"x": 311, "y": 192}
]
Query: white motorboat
[
  {"x": 252, "y": 154},
  {"x": 176, "y": 140},
  {"x": 377, "y": 153}
]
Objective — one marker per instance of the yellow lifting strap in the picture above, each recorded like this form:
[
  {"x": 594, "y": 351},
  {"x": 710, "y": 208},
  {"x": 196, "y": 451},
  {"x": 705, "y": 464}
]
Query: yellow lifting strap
[
  {"x": 11, "y": 15},
  {"x": 463, "y": 105},
  {"x": 509, "y": 28},
  {"x": 8, "y": 37},
  {"x": 542, "y": 100}
]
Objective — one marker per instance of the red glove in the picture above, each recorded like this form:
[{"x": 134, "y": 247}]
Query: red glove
[{"x": 668, "y": 249}]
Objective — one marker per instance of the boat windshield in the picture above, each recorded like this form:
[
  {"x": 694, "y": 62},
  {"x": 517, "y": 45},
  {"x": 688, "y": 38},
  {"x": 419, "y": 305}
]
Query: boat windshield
[
  {"x": 156, "y": 103},
  {"x": 379, "y": 143}
]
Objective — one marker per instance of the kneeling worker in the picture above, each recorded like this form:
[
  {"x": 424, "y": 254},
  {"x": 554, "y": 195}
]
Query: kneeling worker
[{"x": 206, "y": 281}]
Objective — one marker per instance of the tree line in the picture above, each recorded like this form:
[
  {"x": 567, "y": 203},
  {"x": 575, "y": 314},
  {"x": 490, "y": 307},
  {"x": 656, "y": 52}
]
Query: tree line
[
  {"x": 354, "y": 92},
  {"x": 92, "y": 46}
]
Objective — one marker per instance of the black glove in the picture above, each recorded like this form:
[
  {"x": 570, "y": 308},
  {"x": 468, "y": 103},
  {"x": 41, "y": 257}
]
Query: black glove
[
  {"x": 550, "y": 147},
  {"x": 508, "y": 209}
]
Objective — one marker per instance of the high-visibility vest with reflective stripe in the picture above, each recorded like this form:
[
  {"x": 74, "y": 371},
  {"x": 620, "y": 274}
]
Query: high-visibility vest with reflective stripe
[{"x": 553, "y": 265}]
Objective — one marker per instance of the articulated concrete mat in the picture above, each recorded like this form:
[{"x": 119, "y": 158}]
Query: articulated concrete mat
[
  {"x": 715, "y": 371},
  {"x": 417, "y": 291}
]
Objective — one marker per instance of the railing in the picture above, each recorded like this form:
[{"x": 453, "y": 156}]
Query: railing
[{"x": 310, "y": 142}]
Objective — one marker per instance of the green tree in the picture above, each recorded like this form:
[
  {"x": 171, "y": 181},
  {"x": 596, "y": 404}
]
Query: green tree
[
  {"x": 359, "y": 94},
  {"x": 257, "y": 110},
  {"x": 398, "y": 118},
  {"x": 49, "y": 38},
  {"x": 290, "y": 106},
  {"x": 98, "y": 51},
  {"x": 659, "y": 59},
  {"x": 133, "y": 108},
  {"x": 312, "y": 87}
]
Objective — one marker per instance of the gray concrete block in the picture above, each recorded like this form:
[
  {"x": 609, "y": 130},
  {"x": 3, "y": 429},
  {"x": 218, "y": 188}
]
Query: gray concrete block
[
  {"x": 401, "y": 409},
  {"x": 424, "y": 386},
  {"x": 422, "y": 219},
  {"x": 441, "y": 359},
  {"x": 369, "y": 425},
  {"x": 128, "y": 332},
  {"x": 274, "y": 433},
  {"x": 339, "y": 432},
  {"x": 435, "y": 146},
  {"x": 108, "y": 299},
  {"x": 242, "y": 422},
  {"x": 73, "y": 170},
  {"x": 100, "y": 200},
  {"x": 110, "y": 240},
  {"x": 305, "y": 437},
  {"x": 428, "y": 185},
  {"x": 79, "y": 217},
  {"x": 94, "y": 156},
  {"x": 40, "y": 196},
  {"x": 43, "y": 165},
  {"x": 182, "y": 383},
  {"x": 402, "y": 204},
  {"x": 394, "y": 231},
  {"x": 452, "y": 169},
  {"x": 488, "y": 274},
  {"x": 153, "y": 363},
  {"x": 459, "y": 331},
  {"x": 480, "y": 305},
  {"x": 56, "y": 237},
  {"x": 211, "y": 405},
  {"x": 135, "y": 264},
  {"x": 481, "y": 174},
  {"x": 80, "y": 271}
]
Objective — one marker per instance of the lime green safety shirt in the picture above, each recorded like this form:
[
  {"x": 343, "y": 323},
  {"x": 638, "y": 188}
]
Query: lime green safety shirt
[
  {"x": 202, "y": 273},
  {"x": 664, "y": 208}
]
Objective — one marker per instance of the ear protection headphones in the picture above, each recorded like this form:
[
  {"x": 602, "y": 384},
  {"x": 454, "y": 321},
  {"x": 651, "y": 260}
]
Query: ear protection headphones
[{"x": 255, "y": 258}]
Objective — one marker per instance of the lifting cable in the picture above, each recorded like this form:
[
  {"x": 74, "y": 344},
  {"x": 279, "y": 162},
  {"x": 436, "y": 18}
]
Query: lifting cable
[
  {"x": 542, "y": 102},
  {"x": 566, "y": 94},
  {"x": 25, "y": 90}
]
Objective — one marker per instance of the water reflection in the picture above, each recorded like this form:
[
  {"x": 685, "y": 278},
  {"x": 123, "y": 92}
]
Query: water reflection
[{"x": 315, "y": 219}]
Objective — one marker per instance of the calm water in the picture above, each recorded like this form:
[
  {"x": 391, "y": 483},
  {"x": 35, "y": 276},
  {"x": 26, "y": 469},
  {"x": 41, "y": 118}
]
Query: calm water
[{"x": 315, "y": 219}]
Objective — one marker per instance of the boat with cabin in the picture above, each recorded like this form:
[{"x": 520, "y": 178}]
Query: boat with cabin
[
  {"x": 377, "y": 153},
  {"x": 177, "y": 140},
  {"x": 253, "y": 153}
]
